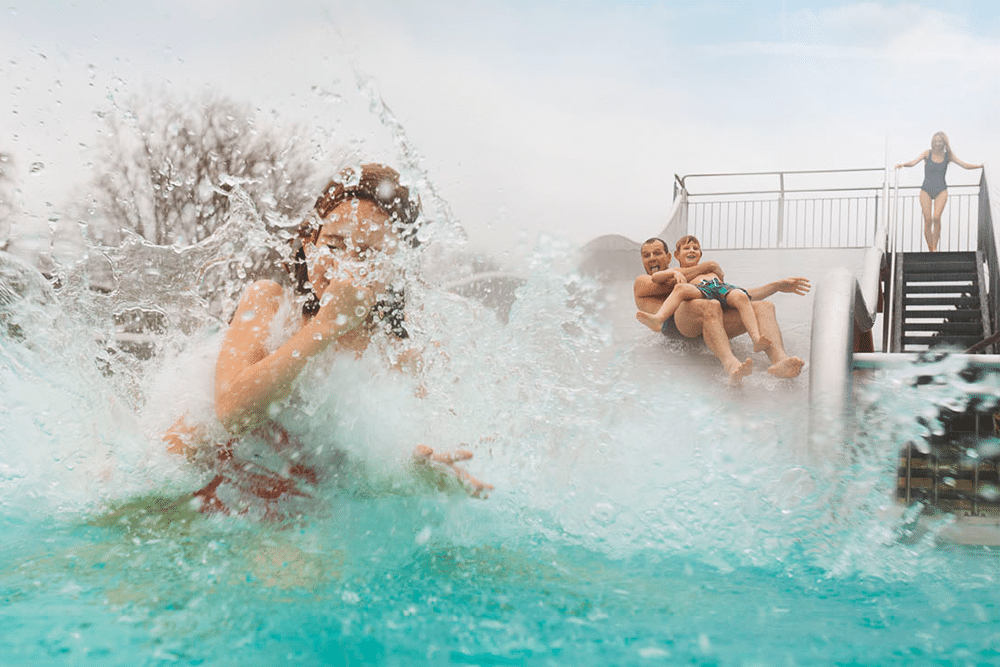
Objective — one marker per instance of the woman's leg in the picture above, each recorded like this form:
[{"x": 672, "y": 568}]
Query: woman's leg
[
  {"x": 939, "y": 203},
  {"x": 926, "y": 209}
]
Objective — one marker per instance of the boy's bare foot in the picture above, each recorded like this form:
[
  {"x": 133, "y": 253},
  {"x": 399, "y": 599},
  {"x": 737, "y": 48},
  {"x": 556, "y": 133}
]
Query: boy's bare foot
[
  {"x": 649, "y": 320},
  {"x": 739, "y": 371},
  {"x": 789, "y": 367},
  {"x": 763, "y": 344}
]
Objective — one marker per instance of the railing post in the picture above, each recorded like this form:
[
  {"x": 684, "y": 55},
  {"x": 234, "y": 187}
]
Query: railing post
[{"x": 781, "y": 209}]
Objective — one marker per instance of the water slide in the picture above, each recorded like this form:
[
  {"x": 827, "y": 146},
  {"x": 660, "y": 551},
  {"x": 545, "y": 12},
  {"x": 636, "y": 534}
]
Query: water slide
[
  {"x": 616, "y": 261},
  {"x": 821, "y": 328}
]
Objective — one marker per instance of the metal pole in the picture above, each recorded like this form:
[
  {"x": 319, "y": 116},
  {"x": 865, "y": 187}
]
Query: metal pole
[
  {"x": 975, "y": 471},
  {"x": 781, "y": 209},
  {"x": 890, "y": 298},
  {"x": 909, "y": 471}
]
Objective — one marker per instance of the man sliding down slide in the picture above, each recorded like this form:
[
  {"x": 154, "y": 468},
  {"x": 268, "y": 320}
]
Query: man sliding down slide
[{"x": 706, "y": 317}]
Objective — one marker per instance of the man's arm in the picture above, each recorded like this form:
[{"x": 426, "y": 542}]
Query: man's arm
[{"x": 791, "y": 285}]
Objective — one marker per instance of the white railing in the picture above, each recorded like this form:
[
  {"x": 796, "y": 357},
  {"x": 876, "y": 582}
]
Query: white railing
[{"x": 836, "y": 208}]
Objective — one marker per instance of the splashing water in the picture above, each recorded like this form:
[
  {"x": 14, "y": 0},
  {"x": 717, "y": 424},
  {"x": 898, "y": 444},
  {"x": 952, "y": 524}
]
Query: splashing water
[{"x": 641, "y": 514}]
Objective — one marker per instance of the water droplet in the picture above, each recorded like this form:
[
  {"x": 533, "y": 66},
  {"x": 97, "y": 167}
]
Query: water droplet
[
  {"x": 296, "y": 353},
  {"x": 36, "y": 167},
  {"x": 360, "y": 311},
  {"x": 423, "y": 536},
  {"x": 249, "y": 315},
  {"x": 341, "y": 320},
  {"x": 989, "y": 492},
  {"x": 325, "y": 299}
]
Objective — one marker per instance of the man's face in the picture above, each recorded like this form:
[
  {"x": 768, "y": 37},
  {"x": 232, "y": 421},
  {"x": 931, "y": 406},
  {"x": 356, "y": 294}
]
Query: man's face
[
  {"x": 654, "y": 257},
  {"x": 689, "y": 254}
]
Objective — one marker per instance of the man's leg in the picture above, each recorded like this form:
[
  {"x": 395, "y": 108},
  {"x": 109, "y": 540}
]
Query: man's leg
[
  {"x": 782, "y": 364},
  {"x": 704, "y": 317}
]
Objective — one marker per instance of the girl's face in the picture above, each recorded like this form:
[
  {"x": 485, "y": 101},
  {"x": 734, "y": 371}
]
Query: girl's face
[
  {"x": 937, "y": 142},
  {"x": 351, "y": 239}
]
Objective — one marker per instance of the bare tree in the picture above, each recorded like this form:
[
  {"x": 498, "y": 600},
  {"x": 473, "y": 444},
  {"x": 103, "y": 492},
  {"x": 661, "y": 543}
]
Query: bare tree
[{"x": 164, "y": 170}]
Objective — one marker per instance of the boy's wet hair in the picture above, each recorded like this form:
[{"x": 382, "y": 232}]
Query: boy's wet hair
[{"x": 686, "y": 239}]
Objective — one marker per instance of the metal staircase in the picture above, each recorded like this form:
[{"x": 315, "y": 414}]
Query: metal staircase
[
  {"x": 958, "y": 470},
  {"x": 940, "y": 301},
  {"x": 941, "y": 316}
]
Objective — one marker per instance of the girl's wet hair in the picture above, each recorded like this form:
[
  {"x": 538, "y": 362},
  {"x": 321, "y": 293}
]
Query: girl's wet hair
[{"x": 380, "y": 185}]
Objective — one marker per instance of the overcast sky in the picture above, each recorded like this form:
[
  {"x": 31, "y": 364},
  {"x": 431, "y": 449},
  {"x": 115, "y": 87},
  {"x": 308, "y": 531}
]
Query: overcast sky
[{"x": 569, "y": 118}]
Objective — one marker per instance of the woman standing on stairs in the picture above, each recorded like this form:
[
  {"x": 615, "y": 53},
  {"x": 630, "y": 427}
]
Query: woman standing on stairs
[{"x": 934, "y": 190}]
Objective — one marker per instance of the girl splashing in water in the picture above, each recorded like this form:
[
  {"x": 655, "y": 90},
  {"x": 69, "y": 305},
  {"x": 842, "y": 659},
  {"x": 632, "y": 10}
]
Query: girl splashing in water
[{"x": 341, "y": 299}]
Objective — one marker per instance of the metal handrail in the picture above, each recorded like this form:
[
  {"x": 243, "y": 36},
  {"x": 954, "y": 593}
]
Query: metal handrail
[
  {"x": 808, "y": 215},
  {"x": 782, "y": 171},
  {"x": 889, "y": 341},
  {"x": 871, "y": 188}
]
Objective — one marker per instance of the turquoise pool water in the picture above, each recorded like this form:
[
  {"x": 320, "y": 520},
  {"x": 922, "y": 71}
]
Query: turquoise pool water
[{"x": 640, "y": 517}]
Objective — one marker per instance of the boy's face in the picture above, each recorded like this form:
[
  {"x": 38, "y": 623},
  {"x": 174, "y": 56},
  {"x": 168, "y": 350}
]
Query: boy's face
[
  {"x": 688, "y": 254},
  {"x": 654, "y": 257}
]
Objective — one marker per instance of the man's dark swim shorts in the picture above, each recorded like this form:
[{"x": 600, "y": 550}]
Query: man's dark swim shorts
[{"x": 669, "y": 329}]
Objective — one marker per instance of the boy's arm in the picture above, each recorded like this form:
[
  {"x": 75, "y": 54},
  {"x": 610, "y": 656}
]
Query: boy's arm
[
  {"x": 792, "y": 285},
  {"x": 692, "y": 272},
  {"x": 659, "y": 284}
]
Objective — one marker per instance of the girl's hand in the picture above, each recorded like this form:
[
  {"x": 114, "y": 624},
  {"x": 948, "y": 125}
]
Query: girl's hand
[
  {"x": 345, "y": 304},
  {"x": 443, "y": 468}
]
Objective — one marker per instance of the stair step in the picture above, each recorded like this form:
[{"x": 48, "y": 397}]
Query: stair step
[
  {"x": 957, "y": 328},
  {"x": 964, "y": 314},
  {"x": 945, "y": 280},
  {"x": 956, "y": 305},
  {"x": 939, "y": 289},
  {"x": 944, "y": 268},
  {"x": 959, "y": 342},
  {"x": 923, "y": 258}
]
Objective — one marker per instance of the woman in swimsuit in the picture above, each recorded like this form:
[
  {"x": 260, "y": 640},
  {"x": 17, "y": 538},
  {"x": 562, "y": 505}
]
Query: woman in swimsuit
[
  {"x": 934, "y": 190},
  {"x": 339, "y": 300}
]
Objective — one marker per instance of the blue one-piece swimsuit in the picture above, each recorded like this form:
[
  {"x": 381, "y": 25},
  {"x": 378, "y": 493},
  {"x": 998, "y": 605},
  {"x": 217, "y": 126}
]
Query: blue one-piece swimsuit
[{"x": 934, "y": 176}]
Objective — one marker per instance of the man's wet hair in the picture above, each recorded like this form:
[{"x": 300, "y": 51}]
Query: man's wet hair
[{"x": 657, "y": 239}]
